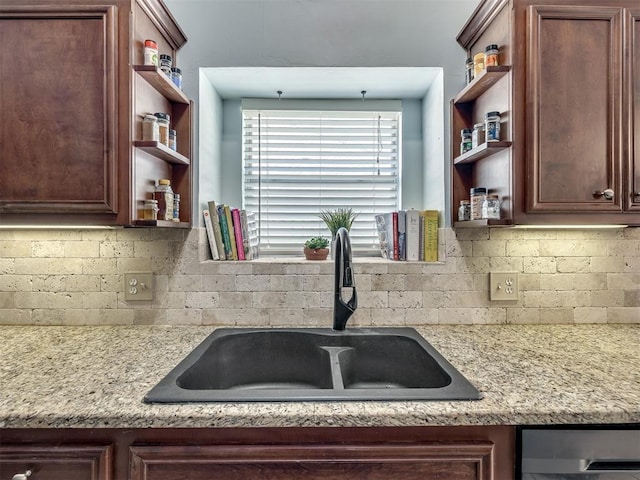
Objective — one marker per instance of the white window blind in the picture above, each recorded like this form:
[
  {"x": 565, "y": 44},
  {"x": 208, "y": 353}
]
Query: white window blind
[{"x": 297, "y": 163}]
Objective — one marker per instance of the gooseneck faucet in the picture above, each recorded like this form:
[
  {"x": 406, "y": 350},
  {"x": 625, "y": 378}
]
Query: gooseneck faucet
[{"x": 344, "y": 281}]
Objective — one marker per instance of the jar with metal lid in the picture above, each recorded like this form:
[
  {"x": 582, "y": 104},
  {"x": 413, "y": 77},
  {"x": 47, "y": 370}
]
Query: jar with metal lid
[
  {"x": 477, "y": 136},
  {"x": 150, "y": 210},
  {"x": 176, "y": 77},
  {"x": 492, "y": 126},
  {"x": 172, "y": 139},
  {"x": 163, "y": 127},
  {"x": 469, "y": 70},
  {"x": 176, "y": 207},
  {"x": 465, "y": 144},
  {"x": 491, "y": 56},
  {"x": 464, "y": 211},
  {"x": 150, "y": 129},
  {"x": 150, "y": 52},
  {"x": 166, "y": 62},
  {"x": 164, "y": 195},
  {"x": 477, "y": 196},
  {"x": 491, "y": 207},
  {"x": 478, "y": 64}
]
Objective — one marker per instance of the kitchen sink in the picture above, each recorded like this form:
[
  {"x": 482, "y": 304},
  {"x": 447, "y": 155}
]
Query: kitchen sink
[{"x": 306, "y": 364}]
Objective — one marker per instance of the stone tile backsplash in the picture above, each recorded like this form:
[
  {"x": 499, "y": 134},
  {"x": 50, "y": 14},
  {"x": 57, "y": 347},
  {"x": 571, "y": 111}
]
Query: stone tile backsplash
[{"x": 75, "y": 277}]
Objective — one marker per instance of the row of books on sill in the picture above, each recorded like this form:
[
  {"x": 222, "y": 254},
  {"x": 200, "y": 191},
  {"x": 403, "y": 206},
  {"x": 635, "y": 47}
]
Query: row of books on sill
[
  {"x": 409, "y": 235},
  {"x": 232, "y": 232}
]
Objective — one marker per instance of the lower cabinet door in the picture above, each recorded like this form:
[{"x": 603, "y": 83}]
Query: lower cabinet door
[
  {"x": 454, "y": 461},
  {"x": 55, "y": 462}
]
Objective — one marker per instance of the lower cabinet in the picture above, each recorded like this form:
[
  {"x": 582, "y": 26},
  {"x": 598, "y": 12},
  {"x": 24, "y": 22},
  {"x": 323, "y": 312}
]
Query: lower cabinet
[
  {"x": 55, "y": 462},
  {"x": 455, "y": 461},
  {"x": 402, "y": 453}
]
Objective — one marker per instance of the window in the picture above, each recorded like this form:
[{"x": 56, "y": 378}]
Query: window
[{"x": 298, "y": 162}]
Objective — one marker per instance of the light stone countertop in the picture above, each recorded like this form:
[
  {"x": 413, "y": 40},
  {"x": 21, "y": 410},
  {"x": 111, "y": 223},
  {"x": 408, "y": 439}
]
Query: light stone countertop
[{"x": 93, "y": 377}]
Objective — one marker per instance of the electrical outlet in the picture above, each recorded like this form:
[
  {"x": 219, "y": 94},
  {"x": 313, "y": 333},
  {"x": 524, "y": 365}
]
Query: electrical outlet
[
  {"x": 138, "y": 286},
  {"x": 503, "y": 286}
]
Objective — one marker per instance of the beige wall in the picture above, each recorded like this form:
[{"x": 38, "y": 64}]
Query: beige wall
[{"x": 75, "y": 277}]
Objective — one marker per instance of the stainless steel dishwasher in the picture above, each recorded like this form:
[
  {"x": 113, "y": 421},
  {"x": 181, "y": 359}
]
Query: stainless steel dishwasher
[{"x": 598, "y": 453}]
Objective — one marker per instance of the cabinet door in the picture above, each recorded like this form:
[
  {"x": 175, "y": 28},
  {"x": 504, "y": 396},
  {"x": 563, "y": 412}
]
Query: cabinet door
[
  {"x": 56, "y": 462},
  {"x": 456, "y": 461},
  {"x": 574, "y": 114},
  {"x": 633, "y": 189},
  {"x": 58, "y": 105}
]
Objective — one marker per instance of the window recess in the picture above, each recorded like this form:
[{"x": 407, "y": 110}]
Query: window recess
[{"x": 300, "y": 161}]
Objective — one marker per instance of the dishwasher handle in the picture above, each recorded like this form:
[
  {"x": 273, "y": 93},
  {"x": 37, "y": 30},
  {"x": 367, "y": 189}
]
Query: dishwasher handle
[
  {"x": 576, "y": 466},
  {"x": 632, "y": 466}
]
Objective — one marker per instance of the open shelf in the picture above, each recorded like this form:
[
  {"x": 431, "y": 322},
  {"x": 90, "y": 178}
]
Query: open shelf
[
  {"x": 161, "y": 223},
  {"x": 481, "y": 151},
  {"x": 160, "y": 150},
  {"x": 503, "y": 222},
  {"x": 163, "y": 84},
  {"x": 481, "y": 83}
]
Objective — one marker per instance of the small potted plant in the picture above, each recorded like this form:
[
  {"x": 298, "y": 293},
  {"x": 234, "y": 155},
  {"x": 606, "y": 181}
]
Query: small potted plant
[
  {"x": 316, "y": 248},
  {"x": 340, "y": 217}
]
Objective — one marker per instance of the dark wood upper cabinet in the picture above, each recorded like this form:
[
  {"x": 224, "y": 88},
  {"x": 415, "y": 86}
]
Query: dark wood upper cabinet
[
  {"x": 58, "y": 100},
  {"x": 573, "y": 104},
  {"x": 72, "y": 102},
  {"x": 575, "y": 97},
  {"x": 632, "y": 103}
]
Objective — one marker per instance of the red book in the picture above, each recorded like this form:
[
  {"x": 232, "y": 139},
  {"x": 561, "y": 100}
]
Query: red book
[
  {"x": 237, "y": 229},
  {"x": 396, "y": 250}
]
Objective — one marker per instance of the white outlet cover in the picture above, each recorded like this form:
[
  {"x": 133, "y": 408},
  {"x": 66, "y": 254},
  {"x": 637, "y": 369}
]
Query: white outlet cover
[
  {"x": 503, "y": 286},
  {"x": 138, "y": 286}
]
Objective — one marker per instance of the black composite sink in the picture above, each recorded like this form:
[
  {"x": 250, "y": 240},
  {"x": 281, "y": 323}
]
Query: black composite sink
[{"x": 234, "y": 364}]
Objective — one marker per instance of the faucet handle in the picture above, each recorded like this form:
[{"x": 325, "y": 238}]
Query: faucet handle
[{"x": 347, "y": 281}]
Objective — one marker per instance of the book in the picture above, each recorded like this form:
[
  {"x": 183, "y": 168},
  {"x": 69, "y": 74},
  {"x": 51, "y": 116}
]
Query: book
[
  {"x": 215, "y": 222},
  {"x": 254, "y": 241},
  {"x": 224, "y": 228},
  {"x": 244, "y": 223},
  {"x": 430, "y": 235},
  {"x": 237, "y": 231},
  {"x": 212, "y": 240},
  {"x": 402, "y": 238},
  {"x": 394, "y": 222},
  {"x": 413, "y": 235},
  {"x": 384, "y": 224},
  {"x": 232, "y": 236}
]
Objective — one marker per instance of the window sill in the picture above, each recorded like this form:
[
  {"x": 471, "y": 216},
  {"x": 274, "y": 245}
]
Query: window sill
[{"x": 295, "y": 260}]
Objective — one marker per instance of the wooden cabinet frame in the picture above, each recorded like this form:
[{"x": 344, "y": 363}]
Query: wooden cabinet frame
[
  {"x": 523, "y": 180},
  {"x": 452, "y": 452}
]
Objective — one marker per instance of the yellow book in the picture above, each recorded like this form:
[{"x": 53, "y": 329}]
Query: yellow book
[
  {"x": 232, "y": 236},
  {"x": 430, "y": 228}
]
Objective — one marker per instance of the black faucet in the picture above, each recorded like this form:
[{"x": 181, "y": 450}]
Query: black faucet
[{"x": 344, "y": 281}]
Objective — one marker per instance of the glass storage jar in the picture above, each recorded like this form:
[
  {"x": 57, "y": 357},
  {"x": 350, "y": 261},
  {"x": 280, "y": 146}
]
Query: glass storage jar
[
  {"x": 150, "y": 129},
  {"x": 150, "y": 52},
  {"x": 464, "y": 211},
  {"x": 163, "y": 127},
  {"x": 491, "y": 207},
  {"x": 478, "y": 64},
  {"x": 477, "y": 195},
  {"x": 465, "y": 144},
  {"x": 469, "y": 70},
  {"x": 492, "y": 126},
  {"x": 150, "y": 210},
  {"x": 491, "y": 56},
  {"x": 164, "y": 195},
  {"x": 477, "y": 136},
  {"x": 166, "y": 62}
]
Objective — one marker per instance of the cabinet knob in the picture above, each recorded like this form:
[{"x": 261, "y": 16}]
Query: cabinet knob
[
  {"x": 22, "y": 476},
  {"x": 608, "y": 194}
]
